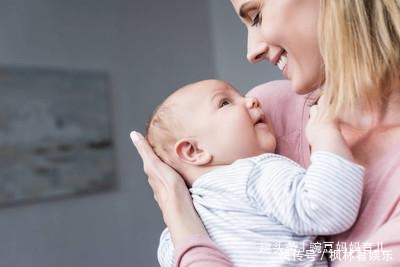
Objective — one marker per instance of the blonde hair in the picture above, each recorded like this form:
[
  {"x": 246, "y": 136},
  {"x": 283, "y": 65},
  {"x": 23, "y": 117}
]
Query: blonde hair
[{"x": 360, "y": 47}]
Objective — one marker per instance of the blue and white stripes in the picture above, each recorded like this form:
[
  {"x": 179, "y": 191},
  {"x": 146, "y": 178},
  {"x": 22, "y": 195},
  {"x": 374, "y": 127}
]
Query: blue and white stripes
[{"x": 270, "y": 199}]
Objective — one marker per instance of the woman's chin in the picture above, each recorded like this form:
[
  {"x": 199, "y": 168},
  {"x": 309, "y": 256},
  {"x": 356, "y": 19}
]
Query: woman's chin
[{"x": 302, "y": 87}]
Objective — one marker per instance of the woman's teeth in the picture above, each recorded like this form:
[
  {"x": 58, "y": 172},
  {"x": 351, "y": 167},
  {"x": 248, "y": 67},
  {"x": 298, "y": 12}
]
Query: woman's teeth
[{"x": 282, "y": 62}]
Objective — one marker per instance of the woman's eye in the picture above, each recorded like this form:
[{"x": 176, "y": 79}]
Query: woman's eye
[
  {"x": 224, "y": 103},
  {"x": 256, "y": 20}
]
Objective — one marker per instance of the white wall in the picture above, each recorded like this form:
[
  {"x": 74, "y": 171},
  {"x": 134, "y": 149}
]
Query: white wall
[{"x": 149, "y": 48}]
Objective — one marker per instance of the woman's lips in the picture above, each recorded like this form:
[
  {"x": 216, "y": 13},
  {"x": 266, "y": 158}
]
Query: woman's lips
[{"x": 277, "y": 56}]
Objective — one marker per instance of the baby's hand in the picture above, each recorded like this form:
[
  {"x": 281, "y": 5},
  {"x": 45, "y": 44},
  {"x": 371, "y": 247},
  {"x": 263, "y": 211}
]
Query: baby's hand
[
  {"x": 319, "y": 125},
  {"x": 323, "y": 133},
  {"x": 321, "y": 129}
]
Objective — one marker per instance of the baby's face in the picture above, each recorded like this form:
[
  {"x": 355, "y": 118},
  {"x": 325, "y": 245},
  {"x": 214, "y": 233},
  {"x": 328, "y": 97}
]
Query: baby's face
[{"x": 225, "y": 123}]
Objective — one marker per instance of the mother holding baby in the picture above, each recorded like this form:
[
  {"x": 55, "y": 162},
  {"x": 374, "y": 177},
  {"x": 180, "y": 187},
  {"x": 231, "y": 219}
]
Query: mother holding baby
[{"x": 350, "y": 49}]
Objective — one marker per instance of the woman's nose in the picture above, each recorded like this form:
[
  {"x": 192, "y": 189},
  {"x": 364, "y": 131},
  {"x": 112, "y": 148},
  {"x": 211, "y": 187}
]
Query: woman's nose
[
  {"x": 256, "y": 48},
  {"x": 252, "y": 102}
]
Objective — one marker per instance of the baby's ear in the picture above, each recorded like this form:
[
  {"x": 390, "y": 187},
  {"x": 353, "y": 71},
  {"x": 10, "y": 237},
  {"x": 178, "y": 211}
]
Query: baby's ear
[{"x": 188, "y": 150}]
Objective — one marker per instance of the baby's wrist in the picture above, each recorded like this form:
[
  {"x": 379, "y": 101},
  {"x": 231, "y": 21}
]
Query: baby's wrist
[
  {"x": 326, "y": 140},
  {"x": 332, "y": 142},
  {"x": 324, "y": 135}
]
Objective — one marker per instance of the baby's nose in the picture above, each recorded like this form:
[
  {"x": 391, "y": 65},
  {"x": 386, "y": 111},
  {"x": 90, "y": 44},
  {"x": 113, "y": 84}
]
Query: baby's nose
[{"x": 252, "y": 102}]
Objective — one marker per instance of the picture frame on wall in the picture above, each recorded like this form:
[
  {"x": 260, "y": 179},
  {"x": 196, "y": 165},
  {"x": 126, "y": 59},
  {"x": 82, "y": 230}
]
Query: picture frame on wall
[{"x": 55, "y": 134}]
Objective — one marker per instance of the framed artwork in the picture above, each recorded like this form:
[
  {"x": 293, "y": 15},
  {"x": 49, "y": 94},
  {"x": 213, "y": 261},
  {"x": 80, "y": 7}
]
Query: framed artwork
[{"x": 55, "y": 134}]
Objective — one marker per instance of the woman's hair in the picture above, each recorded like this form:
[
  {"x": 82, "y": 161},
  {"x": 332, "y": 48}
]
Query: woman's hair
[{"x": 360, "y": 47}]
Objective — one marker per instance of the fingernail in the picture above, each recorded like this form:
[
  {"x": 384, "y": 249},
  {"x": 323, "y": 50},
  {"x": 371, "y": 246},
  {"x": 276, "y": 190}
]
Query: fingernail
[{"x": 134, "y": 136}]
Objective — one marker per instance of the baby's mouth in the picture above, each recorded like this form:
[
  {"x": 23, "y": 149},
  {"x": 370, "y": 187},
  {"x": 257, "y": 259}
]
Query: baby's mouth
[{"x": 260, "y": 120}]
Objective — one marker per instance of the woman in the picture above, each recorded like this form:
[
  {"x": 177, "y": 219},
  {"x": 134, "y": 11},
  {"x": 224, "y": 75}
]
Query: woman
[{"x": 350, "y": 49}]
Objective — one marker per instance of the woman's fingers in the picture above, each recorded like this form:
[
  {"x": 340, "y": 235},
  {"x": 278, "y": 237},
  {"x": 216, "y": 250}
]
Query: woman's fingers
[
  {"x": 170, "y": 192},
  {"x": 161, "y": 177},
  {"x": 149, "y": 158},
  {"x": 144, "y": 149}
]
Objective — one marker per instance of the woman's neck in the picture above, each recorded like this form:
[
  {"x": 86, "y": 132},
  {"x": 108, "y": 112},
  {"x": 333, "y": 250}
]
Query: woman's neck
[{"x": 371, "y": 134}]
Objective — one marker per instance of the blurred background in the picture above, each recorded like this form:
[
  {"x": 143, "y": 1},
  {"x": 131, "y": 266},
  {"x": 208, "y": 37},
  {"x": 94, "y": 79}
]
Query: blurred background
[{"x": 147, "y": 49}]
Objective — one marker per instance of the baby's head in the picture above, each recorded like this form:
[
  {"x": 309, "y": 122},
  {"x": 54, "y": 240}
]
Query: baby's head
[{"x": 208, "y": 124}]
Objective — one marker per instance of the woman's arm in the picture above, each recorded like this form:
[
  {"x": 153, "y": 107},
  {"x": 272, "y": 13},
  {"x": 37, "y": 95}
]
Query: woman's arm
[
  {"x": 385, "y": 241},
  {"x": 200, "y": 251},
  {"x": 194, "y": 247}
]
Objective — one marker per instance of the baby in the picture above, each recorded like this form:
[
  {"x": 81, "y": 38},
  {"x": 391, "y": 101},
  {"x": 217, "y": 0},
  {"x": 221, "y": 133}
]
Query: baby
[{"x": 261, "y": 208}]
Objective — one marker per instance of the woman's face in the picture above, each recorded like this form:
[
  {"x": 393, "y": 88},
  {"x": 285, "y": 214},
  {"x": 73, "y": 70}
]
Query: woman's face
[{"x": 285, "y": 32}]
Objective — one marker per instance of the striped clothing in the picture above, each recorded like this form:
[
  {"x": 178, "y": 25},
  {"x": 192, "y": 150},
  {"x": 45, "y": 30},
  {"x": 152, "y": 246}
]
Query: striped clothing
[{"x": 261, "y": 210}]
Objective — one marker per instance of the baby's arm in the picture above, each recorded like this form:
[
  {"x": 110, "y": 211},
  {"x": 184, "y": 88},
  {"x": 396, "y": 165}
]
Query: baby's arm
[{"x": 323, "y": 200}]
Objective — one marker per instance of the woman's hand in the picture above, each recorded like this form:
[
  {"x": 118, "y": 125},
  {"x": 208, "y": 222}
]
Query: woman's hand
[{"x": 170, "y": 192}]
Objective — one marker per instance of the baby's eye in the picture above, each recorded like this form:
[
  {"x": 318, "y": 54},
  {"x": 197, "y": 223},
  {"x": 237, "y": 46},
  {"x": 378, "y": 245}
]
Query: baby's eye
[{"x": 224, "y": 102}]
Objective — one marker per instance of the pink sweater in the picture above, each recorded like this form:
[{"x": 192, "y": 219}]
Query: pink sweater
[{"x": 379, "y": 218}]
